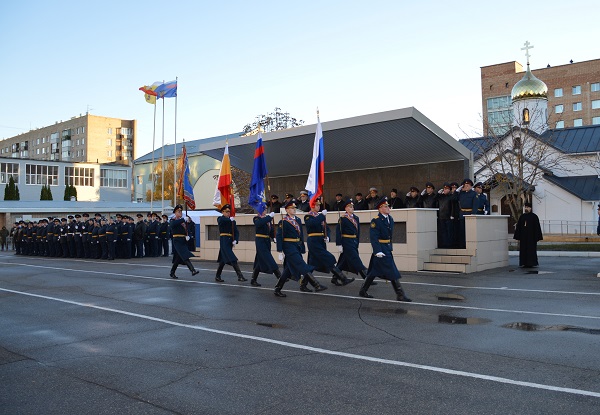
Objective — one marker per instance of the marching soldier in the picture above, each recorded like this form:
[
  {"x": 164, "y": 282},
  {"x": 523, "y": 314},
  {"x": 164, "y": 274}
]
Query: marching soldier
[
  {"x": 347, "y": 239},
  {"x": 228, "y": 239},
  {"x": 382, "y": 263},
  {"x": 181, "y": 255},
  {"x": 263, "y": 260}
]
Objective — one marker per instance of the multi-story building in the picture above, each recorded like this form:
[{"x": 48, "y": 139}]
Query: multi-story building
[
  {"x": 87, "y": 138},
  {"x": 573, "y": 94}
]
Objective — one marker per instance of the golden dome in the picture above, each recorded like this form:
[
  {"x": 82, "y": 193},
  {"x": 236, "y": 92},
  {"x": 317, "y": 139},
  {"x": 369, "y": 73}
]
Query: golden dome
[{"x": 529, "y": 87}]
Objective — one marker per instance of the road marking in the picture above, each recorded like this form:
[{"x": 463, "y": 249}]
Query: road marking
[
  {"x": 322, "y": 294},
  {"x": 323, "y": 351}
]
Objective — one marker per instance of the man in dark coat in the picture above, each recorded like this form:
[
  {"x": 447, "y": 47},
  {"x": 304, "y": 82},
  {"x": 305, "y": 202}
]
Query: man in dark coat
[
  {"x": 274, "y": 204},
  {"x": 467, "y": 201},
  {"x": 318, "y": 234},
  {"x": 528, "y": 232},
  {"x": 290, "y": 245},
  {"x": 139, "y": 235},
  {"x": 338, "y": 203},
  {"x": 445, "y": 217},
  {"x": 360, "y": 203},
  {"x": 394, "y": 201},
  {"x": 303, "y": 202},
  {"x": 382, "y": 263},
  {"x": 412, "y": 198},
  {"x": 181, "y": 253},
  {"x": 347, "y": 238},
  {"x": 228, "y": 238},
  {"x": 263, "y": 260}
]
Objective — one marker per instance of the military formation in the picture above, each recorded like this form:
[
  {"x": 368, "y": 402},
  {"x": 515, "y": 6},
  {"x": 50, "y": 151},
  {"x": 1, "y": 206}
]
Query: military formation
[{"x": 100, "y": 237}]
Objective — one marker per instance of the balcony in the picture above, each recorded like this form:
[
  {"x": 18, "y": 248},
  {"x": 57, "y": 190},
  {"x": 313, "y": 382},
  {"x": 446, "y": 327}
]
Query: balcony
[{"x": 66, "y": 137}]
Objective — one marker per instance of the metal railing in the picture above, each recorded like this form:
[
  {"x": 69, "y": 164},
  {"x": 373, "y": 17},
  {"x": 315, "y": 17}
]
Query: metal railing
[{"x": 569, "y": 227}]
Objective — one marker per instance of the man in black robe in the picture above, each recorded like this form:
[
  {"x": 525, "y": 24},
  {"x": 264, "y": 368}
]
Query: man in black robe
[{"x": 528, "y": 232}]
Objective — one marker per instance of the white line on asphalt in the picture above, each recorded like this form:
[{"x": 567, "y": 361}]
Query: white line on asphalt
[
  {"x": 322, "y": 294},
  {"x": 325, "y": 351},
  {"x": 463, "y": 287}
]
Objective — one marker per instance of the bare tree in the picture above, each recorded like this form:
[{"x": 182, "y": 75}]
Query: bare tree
[{"x": 273, "y": 121}]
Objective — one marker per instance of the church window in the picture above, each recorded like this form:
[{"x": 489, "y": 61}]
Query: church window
[
  {"x": 577, "y": 90},
  {"x": 577, "y": 122},
  {"x": 577, "y": 106},
  {"x": 526, "y": 116}
]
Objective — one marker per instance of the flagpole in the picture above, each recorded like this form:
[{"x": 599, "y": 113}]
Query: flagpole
[
  {"x": 152, "y": 165},
  {"x": 175, "y": 155},
  {"x": 162, "y": 196}
]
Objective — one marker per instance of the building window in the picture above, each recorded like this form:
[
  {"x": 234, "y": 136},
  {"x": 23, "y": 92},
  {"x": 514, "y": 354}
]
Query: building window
[
  {"x": 558, "y": 109},
  {"x": 37, "y": 151},
  {"x": 109, "y": 153},
  {"x": 8, "y": 170},
  {"x": 82, "y": 153},
  {"x": 109, "y": 142},
  {"x": 41, "y": 174},
  {"x": 577, "y": 122},
  {"x": 113, "y": 178},
  {"x": 140, "y": 179},
  {"x": 595, "y": 120},
  {"x": 558, "y": 92},
  {"x": 498, "y": 102},
  {"x": 82, "y": 141},
  {"x": 596, "y": 104},
  {"x": 109, "y": 131},
  {"x": 77, "y": 142},
  {"x": 595, "y": 87},
  {"x": 79, "y": 176},
  {"x": 577, "y": 90},
  {"x": 560, "y": 124},
  {"x": 525, "y": 115},
  {"x": 577, "y": 106}
]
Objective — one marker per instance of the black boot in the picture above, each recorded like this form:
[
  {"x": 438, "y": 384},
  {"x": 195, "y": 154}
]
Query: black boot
[
  {"x": 191, "y": 267},
  {"x": 253, "y": 281},
  {"x": 363, "y": 290},
  {"x": 240, "y": 276},
  {"x": 279, "y": 287},
  {"x": 400, "y": 296},
  {"x": 339, "y": 278},
  {"x": 314, "y": 283},
  {"x": 173, "y": 269},
  {"x": 303, "y": 284},
  {"x": 363, "y": 275},
  {"x": 277, "y": 273},
  {"x": 219, "y": 271}
]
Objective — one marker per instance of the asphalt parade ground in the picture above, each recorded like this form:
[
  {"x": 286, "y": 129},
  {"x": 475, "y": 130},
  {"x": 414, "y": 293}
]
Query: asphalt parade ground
[{"x": 121, "y": 337}]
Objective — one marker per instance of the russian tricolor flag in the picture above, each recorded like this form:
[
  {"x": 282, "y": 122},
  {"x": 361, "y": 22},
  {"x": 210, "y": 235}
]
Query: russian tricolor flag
[{"x": 316, "y": 177}]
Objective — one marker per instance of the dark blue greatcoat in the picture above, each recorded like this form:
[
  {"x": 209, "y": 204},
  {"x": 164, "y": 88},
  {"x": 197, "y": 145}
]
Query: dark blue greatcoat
[
  {"x": 318, "y": 255},
  {"x": 180, "y": 249},
  {"x": 381, "y": 240},
  {"x": 290, "y": 241},
  {"x": 347, "y": 234},
  {"x": 265, "y": 230},
  {"x": 228, "y": 232}
]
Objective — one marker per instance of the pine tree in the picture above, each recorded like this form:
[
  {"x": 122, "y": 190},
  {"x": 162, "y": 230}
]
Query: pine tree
[
  {"x": 11, "y": 191},
  {"x": 17, "y": 194}
]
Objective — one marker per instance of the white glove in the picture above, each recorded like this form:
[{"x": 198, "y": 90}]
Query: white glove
[
  {"x": 232, "y": 219},
  {"x": 423, "y": 192},
  {"x": 327, "y": 239},
  {"x": 324, "y": 211},
  {"x": 187, "y": 238},
  {"x": 452, "y": 217},
  {"x": 340, "y": 248},
  {"x": 281, "y": 256},
  {"x": 275, "y": 240},
  {"x": 234, "y": 243},
  {"x": 379, "y": 254},
  {"x": 272, "y": 214},
  {"x": 408, "y": 194},
  {"x": 459, "y": 188},
  {"x": 440, "y": 191}
]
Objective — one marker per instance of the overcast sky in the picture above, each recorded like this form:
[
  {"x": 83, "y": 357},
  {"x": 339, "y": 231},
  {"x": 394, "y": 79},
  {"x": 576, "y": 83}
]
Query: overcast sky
[{"x": 238, "y": 59}]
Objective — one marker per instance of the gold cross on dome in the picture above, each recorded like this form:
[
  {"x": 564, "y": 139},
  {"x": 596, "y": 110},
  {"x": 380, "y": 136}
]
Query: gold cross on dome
[{"x": 526, "y": 49}]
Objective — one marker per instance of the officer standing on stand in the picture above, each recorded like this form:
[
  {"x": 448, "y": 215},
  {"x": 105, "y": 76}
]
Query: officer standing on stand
[
  {"x": 382, "y": 263},
  {"x": 467, "y": 201}
]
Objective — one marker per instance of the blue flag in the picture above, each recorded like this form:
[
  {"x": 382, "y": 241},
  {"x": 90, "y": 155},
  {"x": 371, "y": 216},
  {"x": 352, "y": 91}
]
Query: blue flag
[
  {"x": 259, "y": 172},
  {"x": 187, "y": 190}
]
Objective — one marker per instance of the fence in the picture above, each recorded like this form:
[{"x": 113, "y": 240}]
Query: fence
[{"x": 569, "y": 227}]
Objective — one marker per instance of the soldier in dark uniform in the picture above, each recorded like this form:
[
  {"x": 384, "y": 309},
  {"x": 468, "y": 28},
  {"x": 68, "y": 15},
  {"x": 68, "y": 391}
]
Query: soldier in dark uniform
[
  {"x": 95, "y": 250},
  {"x": 86, "y": 236},
  {"x": 164, "y": 235},
  {"x": 274, "y": 204},
  {"x": 412, "y": 198},
  {"x": 71, "y": 236},
  {"x": 153, "y": 230},
  {"x": 428, "y": 197},
  {"x": 191, "y": 230},
  {"x": 467, "y": 201},
  {"x": 118, "y": 223},
  {"x": 394, "y": 201},
  {"x": 303, "y": 202},
  {"x": 318, "y": 235},
  {"x": 43, "y": 248},
  {"x": 139, "y": 235},
  {"x": 290, "y": 245},
  {"x": 181, "y": 255},
  {"x": 78, "y": 236},
  {"x": 360, "y": 203},
  {"x": 483, "y": 204},
  {"x": 445, "y": 218},
  {"x": 347, "y": 239},
  {"x": 50, "y": 237},
  {"x": 111, "y": 238},
  {"x": 64, "y": 240},
  {"x": 102, "y": 241},
  {"x": 382, "y": 263},
  {"x": 147, "y": 244},
  {"x": 228, "y": 238},
  {"x": 263, "y": 260},
  {"x": 56, "y": 238},
  {"x": 126, "y": 234}
]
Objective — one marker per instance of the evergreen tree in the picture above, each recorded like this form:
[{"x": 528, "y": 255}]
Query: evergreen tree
[
  {"x": 10, "y": 191},
  {"x": 17, "y": 194}
]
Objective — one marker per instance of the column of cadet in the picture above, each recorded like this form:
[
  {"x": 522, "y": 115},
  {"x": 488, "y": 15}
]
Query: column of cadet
[{"x": 100, "y": 237}]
